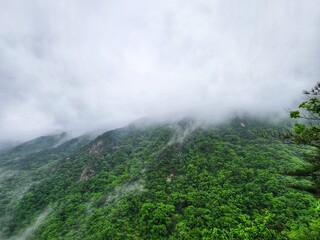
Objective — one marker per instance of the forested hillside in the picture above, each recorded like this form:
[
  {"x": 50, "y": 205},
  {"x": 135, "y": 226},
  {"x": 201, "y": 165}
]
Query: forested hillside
[
  {"x": 165, "y": 181},
  {"x": 28, "y": 164}
]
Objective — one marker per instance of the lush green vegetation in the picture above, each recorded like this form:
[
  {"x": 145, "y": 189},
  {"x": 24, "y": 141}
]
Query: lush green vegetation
[
  {"x": 174, "y": 181},
  {"x": 28, "y": 164},
  {"x": 10, "y": 156},
  {"x": 307, "y": 132}
]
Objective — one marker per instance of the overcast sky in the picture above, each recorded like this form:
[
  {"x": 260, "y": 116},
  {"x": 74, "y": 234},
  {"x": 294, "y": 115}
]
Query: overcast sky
[{"x": 80, "y": 65}]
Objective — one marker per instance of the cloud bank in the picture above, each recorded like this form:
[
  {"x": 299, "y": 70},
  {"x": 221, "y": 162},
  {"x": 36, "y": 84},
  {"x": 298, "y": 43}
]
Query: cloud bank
[{"x": 79, "y": 65}]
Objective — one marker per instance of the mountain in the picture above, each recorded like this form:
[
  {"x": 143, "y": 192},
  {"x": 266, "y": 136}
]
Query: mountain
[
  {"x": 29, "y": 163},
  {"x": 162, "y": 181},
  {"x": 9, "y": 154}
]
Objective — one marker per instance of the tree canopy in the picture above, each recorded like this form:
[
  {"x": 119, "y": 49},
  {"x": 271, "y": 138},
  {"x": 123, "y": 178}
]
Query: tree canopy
[{"x": 307, "y": 132}]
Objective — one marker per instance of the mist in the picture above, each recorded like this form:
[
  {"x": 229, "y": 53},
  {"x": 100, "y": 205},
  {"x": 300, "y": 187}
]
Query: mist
[{"x": 82, "y": 65}]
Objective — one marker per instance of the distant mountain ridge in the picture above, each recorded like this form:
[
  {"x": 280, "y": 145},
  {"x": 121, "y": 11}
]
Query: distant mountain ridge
[{"x": 38, "y": 144}]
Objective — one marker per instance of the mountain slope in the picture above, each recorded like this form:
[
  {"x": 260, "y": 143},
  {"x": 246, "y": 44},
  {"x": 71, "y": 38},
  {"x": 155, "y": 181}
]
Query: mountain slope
[
  {"x": 33, "y": 146},
  {"x": 28, "y": 164},
  {"x": 173, "y": 181}
]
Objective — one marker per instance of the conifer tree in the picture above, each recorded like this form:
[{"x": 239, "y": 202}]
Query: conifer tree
[{"x": 307, "y": 132}]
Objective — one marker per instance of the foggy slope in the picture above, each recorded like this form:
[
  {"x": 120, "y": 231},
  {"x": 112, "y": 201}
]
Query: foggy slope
[
  {"x": 29, "y": 163},
  {"x": 170, "y": 181},
  {"x": 33, "y": 146}
]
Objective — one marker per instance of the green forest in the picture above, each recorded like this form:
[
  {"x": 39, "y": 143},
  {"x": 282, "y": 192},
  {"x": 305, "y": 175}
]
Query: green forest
[{"x": 178, "y": 180}]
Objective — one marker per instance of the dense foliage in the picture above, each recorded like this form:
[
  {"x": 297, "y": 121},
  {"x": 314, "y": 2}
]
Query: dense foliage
[
  {"x": 28, "y": 164},
  {"x": 307, "y": 132},
  {"x": 174, "y": 181}
]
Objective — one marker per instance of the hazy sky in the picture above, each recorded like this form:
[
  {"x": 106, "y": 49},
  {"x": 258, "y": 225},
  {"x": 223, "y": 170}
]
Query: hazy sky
[{"x": 81, "y": 65}]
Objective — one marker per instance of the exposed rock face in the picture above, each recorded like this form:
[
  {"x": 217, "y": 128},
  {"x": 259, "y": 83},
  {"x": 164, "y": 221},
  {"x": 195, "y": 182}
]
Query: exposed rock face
[
  {"x": 86, "y": 173},
  {"x": 95, "y": 149}
]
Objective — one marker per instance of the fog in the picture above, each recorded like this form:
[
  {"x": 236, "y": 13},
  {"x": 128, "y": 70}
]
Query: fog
[{"x": 81, "y": 65}]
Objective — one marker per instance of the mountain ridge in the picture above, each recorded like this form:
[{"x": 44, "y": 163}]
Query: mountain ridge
[{"x": 169, "y": 181}]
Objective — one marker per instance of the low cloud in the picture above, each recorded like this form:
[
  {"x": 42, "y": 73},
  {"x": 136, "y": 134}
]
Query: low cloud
[{"x": 80, "y": 65}]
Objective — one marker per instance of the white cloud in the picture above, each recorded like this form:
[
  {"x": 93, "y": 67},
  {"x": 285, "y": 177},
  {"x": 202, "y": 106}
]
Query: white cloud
[{"x": 79, "y": 65}]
